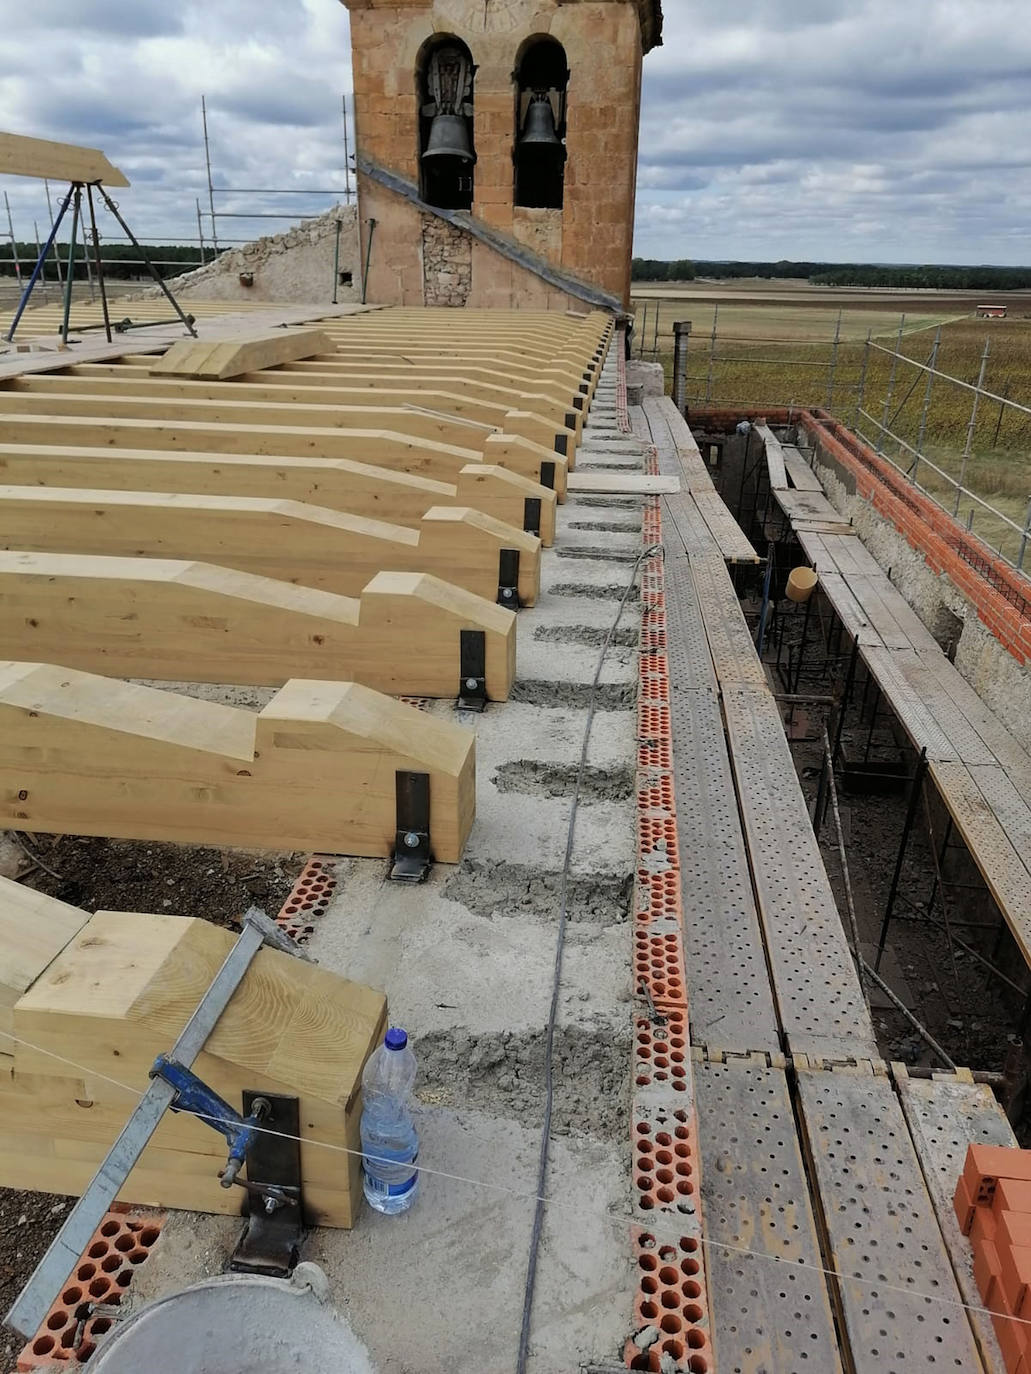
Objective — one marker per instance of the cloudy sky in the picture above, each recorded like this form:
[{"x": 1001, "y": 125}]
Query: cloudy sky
[{"x": 866, "y": 130}]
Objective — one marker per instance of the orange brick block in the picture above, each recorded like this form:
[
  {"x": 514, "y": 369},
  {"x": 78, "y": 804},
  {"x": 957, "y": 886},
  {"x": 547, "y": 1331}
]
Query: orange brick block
[
  {"x": 986, "y": 1272},
  {"x": 1015, "y": 1275},
  {"x": 964, "y": 1206},
  {"x": 984, "y": 1226},
  {"x": 1012, "y": 1335},
  {"x": 1012, "y": 1195},
  {"x": 986, "y": 1164},
  {"x": 1013, "y": 1228}
]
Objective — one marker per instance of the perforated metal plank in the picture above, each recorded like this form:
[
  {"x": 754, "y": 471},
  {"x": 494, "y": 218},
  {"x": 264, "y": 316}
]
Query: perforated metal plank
[
  {"x": 730, "y": 998},
  {"x": 914, "y": 716},
  {"x": 1002, "y": 868},
  {"x": 690, "y": 660},
  {"x": 848, "y": 609},
  {"x": 819, "y": 1000},
  {"x": 967, "y": 744},
  {"x": 944, "y": 1116},
  {"x": 687, "y": 525},
  {"x": 877, "y": 597},
  {"x": 1010, "y": 808},
  {"x": 899, "y": 1295},
  {"x": 851, "y": 555},
  {"x": 729, "y": 638},
  {"x": 729, "y": 535},
  {"x": 766, "y": 1316},
  {"x": 1005, "y": 747},
  {"x": 801, "y": 474}
]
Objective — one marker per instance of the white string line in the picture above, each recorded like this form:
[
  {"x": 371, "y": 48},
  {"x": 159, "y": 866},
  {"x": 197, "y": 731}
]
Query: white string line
[{"x": 653, "y": 1226}]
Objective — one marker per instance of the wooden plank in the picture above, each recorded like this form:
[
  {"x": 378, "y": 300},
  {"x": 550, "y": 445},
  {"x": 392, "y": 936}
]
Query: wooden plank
[
  {"x": 34, "y": 929},
  {"x": 886, "y": 603},
  {"x": 728, "y": 534},
  {"x": 490, "y": 367},
  {"x": 193, "y": 622},
  {"x": 799, "y": 472},
  {"x": 759, "y": 1226},
  {"x": 231, "y": 357},
  {"x": 852, "y": 615},
  {"x": 497, "y": 387},
  {"x": 315, "y": 770},
  {"x": 386, "y": 448},
  {"x": 401, "y": 498},
  {"x": 622, "y": 484},
  {"x": 900, "y": 1303},
  {"x": 118, "y": 995},
  {"x": 806, "y": 505},
  {"x": 38, "y": 157},
  {"x": 162, "y": 398},
  {"x": 992, "y": 849},
  {"x": 286, "y": 540},
  {"x": 774, "y": 458},
  {"x": 945, "y": 1115}
]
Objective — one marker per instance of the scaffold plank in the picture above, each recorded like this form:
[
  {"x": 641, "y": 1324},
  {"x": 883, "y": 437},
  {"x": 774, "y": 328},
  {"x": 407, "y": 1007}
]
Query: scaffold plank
[
  {"x": 945, "y": 1115},
  {"x": 881, "y": 1229},
  {"x": 963, "y": 791},
  {"x": 730, "y": 640},
  {"x": 803, "y": 478},
  {"x": 775, "y": 469},
  {"x": 820, "y": 1001},
  {"x": 770, "y": 1310},
  {"x": 914, "y": 715}
]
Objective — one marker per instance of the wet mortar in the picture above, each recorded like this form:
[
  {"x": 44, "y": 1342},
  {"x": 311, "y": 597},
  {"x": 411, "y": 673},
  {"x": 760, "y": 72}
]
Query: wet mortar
[
  {"x": 626, "y": 637},
  {"x": 501, "y": 889},
  {"x": 559, "y": 780},
  {"x": 607, "y": 696}
]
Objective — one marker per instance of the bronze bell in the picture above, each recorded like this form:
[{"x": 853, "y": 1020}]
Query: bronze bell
[
  {"x": 449, "y": 137},
  {"x": 540, "y": 124}
]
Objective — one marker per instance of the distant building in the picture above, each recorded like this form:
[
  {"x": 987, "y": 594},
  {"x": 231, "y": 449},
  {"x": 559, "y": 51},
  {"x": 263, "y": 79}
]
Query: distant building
[{"x": 991, "y": 312}]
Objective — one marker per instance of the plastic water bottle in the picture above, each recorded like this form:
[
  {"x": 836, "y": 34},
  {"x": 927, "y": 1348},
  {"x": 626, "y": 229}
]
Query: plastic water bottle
[{"x": 390, "y": 1145}]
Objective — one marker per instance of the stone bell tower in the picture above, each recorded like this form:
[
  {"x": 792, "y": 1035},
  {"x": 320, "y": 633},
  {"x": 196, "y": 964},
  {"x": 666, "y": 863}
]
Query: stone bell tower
[{"x": 497, "y": 148}]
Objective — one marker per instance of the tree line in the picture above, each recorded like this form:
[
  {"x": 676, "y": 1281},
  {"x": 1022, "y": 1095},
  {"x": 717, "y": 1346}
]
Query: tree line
[
  {"x": 121, "y": 260},
  {"x": 926, "y": 276}
]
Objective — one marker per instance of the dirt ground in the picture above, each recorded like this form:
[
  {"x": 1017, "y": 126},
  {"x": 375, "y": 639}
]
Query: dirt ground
[
  {"x": 127, "y": 875},
  {"x": 28, "y": 1223}
]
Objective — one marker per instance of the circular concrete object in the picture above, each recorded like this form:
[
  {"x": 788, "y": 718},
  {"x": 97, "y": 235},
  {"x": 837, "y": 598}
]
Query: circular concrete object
[{"x": 236, "y": 1324}]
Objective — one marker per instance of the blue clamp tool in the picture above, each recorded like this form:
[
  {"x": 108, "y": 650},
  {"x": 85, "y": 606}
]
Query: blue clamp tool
[{"x": 193, "y": 1095}]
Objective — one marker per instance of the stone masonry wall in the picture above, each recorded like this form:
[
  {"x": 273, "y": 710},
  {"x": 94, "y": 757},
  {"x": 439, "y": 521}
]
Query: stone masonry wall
[
  {"x": 295, "y": 266},
  {"x": 447, "y": 263}
]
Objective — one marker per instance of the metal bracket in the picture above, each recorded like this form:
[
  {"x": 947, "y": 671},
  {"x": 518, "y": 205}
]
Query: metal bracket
[
  {"x": 274, "y": 1205},
  {"x": 578, "y": 404},
  {"x": 508, "y": 579},
  {"x": 472, "y": 691},
  {"x": 562, "y": 445},
  {"x": 571, "y": 419},
  {"x": 548, "y": 475},
  {"x": 412, "y": 856},
  {"x": 532, "y": 515}
]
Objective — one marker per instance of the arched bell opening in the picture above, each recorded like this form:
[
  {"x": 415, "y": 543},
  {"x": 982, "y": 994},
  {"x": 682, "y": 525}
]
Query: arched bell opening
[
  {"x": 444, "y": 82},
  {"x": 542, "y": 82}
]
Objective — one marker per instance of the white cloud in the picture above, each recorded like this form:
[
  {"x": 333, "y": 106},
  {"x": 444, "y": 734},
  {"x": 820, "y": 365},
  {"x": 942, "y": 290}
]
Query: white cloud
[{"x": 770, "y": 128}]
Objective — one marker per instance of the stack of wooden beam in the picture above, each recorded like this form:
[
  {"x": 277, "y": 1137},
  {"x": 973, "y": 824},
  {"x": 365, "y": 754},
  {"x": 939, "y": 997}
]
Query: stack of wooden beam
[
  {"x": 299, "y": 508},
  {"x": 112, "y": 991}
]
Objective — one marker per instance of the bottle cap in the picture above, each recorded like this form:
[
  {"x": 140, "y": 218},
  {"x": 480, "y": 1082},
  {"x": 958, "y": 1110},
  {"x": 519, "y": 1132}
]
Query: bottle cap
[{"x": 395, "y": 1038}]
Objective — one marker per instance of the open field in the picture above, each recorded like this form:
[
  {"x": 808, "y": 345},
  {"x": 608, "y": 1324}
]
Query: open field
[{"x": 774, "y": 346}]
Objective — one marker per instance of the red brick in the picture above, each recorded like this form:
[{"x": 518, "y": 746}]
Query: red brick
[
  {"x": 986, "y": 1272},
  {"x": 1014, "y": 1276},
  {"x": 1012, "y": 1335},
  {"x": 963, "y": 1205},
  {"x": 985, "y": 1225},
  {"x": 1012, "y": 1195},
  {"x": 986, "y": 1164},
  {"x": 1014, "y": 1229}
]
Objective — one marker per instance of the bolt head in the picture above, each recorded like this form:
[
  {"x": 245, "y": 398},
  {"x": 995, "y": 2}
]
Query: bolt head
[
  {"x": 470, "y": 684},
  {"x": 412, "y": 840}
]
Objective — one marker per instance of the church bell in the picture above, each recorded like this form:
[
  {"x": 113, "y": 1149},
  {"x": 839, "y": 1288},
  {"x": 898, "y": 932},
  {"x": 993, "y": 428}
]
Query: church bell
[
  {"x": 449, "y": 137},
  {"x": 539, "y": 129}
]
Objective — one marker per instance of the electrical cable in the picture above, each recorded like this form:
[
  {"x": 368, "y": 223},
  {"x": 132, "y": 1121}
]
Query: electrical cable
[{"x": 654, "y": 550}]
